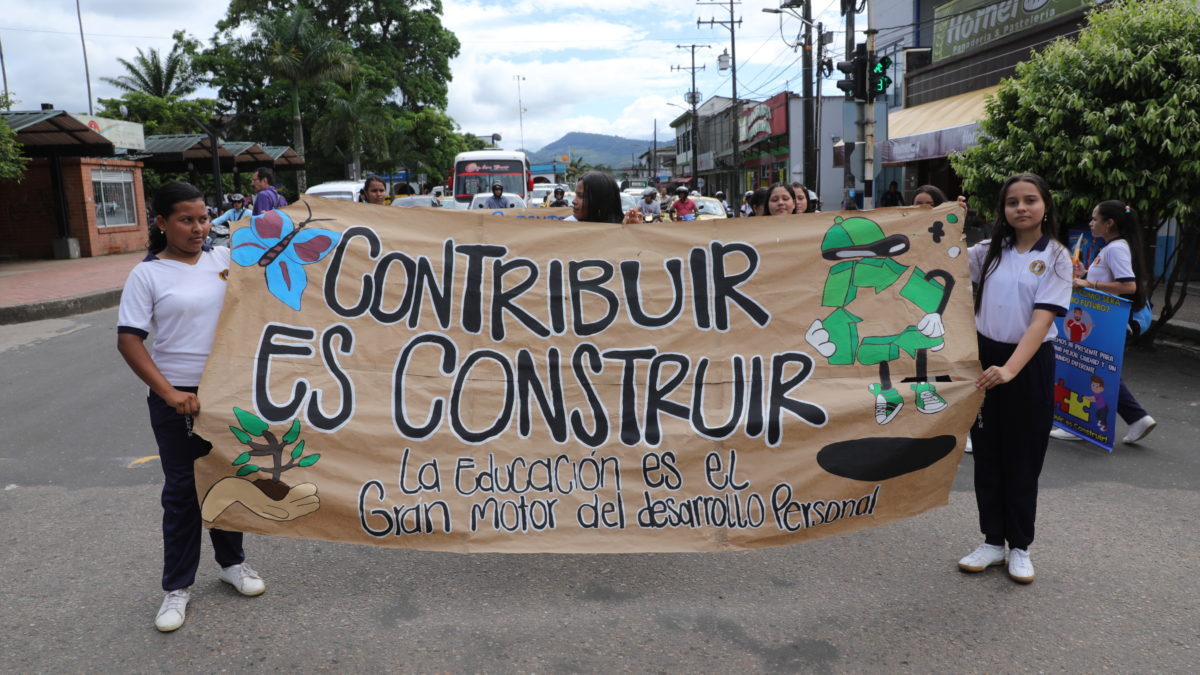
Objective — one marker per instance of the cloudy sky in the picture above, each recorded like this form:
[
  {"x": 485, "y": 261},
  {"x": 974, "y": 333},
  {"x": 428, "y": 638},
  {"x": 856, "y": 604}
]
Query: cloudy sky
[{"x": 604, "y": 69}]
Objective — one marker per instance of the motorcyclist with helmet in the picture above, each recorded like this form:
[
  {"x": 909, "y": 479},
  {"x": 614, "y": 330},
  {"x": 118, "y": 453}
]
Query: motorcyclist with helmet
[
  {"x": 497, "y": 200},
  {"x": 218, "y": 234},
  {"x": 683, "y": 208},
  {"x": 559, "y": 198},
  {"x": 721, "y": 198},
  {"x": 649, "y": 206}
]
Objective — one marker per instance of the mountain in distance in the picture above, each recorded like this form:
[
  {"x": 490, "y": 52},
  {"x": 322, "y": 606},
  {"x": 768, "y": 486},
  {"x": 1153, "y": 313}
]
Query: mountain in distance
[{"x": 615, "y": 151}]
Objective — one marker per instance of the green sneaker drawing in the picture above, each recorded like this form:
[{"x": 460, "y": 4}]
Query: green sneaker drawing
[
  {"x": 928, "y": 400},
  {"x": 887, "y": 403}
]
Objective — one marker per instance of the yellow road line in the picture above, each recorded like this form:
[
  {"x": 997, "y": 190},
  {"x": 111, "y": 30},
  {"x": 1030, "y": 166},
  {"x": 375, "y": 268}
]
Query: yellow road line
[{"x": 140, "y": 460}]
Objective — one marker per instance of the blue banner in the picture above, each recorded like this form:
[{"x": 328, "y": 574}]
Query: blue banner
[{"x": 1087, "y": 376}]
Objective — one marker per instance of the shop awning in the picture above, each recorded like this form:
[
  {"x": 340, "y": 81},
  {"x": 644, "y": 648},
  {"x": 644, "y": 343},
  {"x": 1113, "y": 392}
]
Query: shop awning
[
  {"x": 285, "y": 157},
  {"x": 49, "y": 133},
  {"x": 934, "y": 129}
]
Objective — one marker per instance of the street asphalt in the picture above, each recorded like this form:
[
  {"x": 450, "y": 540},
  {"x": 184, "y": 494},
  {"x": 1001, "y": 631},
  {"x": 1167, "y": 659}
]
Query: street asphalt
[{"x": 1118, "y": 585}]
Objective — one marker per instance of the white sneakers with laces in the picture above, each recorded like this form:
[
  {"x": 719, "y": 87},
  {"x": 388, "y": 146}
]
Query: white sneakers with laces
[
  {"x": 173, "y": 610},
  {"x": 1063, "y": 434},
  {"x": 1020, "y": 567},
  {"x": 174, "y": 606},
  {"x": 982, "y": 558},
  {"x": 1139, "y": 430},
  {"x": 244, "y": 579}
]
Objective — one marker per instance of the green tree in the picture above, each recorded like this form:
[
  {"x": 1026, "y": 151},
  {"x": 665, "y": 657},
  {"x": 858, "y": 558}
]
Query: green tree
[
  {"x": 159, "y": 114},
  {"x": 1114, "y": 114},
  {"x": 12, "y": 162},
  {"x": 303, "y": 54},
  {"x": 352, "y": 121},
  {"x": 155, "y": 75},
  {"x": 576, "y": 168}
]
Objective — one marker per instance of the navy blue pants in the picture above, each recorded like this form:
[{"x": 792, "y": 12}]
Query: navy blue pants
[
  {"x": 1128, "y": 407},
  {"x": 181, "y": 510},
  {"x": 1010, "y": 437}
]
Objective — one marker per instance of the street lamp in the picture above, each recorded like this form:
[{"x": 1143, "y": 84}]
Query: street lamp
[{"x": 520, "y": 110}]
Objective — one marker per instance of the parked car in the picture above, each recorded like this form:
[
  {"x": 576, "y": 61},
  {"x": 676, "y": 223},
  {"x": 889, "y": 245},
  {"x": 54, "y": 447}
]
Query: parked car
[
  {"x": 346, "y": 190},
  {"x": 417, "y": 200},
  {"x": 515, "y": 200}
]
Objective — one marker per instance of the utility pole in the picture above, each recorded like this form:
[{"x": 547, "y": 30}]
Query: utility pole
[
  {"x": 810, "y": 133},
  {"x": 693, "y": 98},
  {"x": 868, "y": 122},
  {"x": 736, "y": 188},
  {"x": 86, "y": 73},
  {"x": 7, "y": 102},
  {"x": 520, "y": 110},
  {"x": 847, "y": 140}
]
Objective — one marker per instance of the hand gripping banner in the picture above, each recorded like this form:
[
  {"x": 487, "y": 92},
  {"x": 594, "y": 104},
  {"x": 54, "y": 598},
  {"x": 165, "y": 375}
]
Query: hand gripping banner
[{"x": 464, "y": 382}]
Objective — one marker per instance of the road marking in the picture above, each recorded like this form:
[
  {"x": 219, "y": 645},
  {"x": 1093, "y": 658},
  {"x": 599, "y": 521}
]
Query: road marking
[{"x": 140, "y": 460}]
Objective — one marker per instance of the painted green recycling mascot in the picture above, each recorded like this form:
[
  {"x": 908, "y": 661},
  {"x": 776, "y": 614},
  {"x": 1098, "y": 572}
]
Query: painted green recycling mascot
[{"x": 866, "y": 260}]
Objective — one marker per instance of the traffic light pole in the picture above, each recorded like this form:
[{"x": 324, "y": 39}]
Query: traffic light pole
[
  {"x": 848, "y": 143},
  {"x": 867, "y": 115}
]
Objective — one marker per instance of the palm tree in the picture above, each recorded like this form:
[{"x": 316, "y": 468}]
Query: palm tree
[
  {"x": 151, "y": 74},
  {"x": 303, "y": 54},
  {"x": 352, "y": 121},
  {"x": 576, "y": 168}
]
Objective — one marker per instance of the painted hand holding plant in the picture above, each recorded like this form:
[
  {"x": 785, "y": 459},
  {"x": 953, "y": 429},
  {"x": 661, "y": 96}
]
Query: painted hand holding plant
[{"x": 271, "y": 446}]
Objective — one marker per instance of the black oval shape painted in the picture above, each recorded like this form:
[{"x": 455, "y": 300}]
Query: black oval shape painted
[{"x": 875, "y": 459}]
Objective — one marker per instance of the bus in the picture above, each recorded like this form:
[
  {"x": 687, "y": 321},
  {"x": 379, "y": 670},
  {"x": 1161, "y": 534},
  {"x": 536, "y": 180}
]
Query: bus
[{"x": 474, "y": 172}]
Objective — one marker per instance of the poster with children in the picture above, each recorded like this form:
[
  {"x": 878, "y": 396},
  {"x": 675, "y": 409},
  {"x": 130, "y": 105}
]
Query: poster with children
[{"x": 1087, "y": 375}]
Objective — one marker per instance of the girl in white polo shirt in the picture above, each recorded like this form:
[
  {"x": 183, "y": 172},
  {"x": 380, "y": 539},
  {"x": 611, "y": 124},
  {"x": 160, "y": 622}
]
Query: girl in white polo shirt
[
  {"x": 1023, "y": 277},
  {"x": 1117, "y": 269},
  {"x": 176, "y": 292}
]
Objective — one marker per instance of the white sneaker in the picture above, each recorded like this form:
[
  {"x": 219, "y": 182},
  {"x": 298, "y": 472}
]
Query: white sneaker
[
  {"x": 1020, "y": 567},
  {"x": 244, "y": 579},
  {"x": 982, "y": 558},
  {"x": 173, "y": 610},
  {"x": 1062, "y": 434},
  {"x": 969, "y": 448},
  {"x": 1139, "y": 430}
]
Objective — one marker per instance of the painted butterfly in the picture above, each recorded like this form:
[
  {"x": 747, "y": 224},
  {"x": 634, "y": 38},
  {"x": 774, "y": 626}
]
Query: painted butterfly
[{"x": 273, "y": 242}]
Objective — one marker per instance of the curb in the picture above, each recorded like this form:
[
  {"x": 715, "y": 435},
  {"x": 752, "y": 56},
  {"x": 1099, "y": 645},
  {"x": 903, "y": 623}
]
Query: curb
[
  {"x": 60, "y": 307},
  {"x": 1183, "y": 329}
]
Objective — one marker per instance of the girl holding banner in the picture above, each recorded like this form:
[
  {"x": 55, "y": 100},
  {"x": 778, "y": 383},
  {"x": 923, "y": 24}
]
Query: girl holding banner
[
  {"x": 177, "y": 292},
  {"x": 1118, "y": 270},
  {"x": 1023, "y": 277}
]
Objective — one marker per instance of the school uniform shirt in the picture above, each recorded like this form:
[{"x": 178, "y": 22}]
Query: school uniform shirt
[
  {"x": 1114, "y": 262},
  {"x": 1019, "y": 283},
  {"x": 180, "y": 304}
]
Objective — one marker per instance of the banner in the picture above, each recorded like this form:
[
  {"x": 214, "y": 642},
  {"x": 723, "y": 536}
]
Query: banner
[
  {"x": 447, "y": 380},
  {"x": 1087, "y": 371},
  {"x": 962, "y": 25}
]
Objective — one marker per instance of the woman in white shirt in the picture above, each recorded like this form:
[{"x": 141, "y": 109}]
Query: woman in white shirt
[{"x": 176, "y": 293}]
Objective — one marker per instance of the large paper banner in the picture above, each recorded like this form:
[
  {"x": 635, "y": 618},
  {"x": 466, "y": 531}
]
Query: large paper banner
[
  {"x": 465, "y": 382},
  {"x": 1087, "y": 370}
]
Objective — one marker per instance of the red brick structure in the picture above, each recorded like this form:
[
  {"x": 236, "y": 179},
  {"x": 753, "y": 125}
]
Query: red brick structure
[{"x": 29, "y": 224}]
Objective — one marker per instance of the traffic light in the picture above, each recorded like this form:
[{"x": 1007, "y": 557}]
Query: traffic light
[
  {"x": 878, "y": 80},
  {"x": 855, "y": 70}
]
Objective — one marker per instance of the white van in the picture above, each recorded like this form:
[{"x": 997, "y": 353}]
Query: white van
[{"x": 346, "y": 190}]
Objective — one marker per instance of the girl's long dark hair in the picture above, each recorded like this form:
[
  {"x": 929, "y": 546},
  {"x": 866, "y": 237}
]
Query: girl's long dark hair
[
  {"x": 1003, "y": 234},
  {"x": 1126, "y": 221},
  {"x": 163, "y": 204},
  {"x": 603, "y": 197},
  {"x": 771, "y": 190}
]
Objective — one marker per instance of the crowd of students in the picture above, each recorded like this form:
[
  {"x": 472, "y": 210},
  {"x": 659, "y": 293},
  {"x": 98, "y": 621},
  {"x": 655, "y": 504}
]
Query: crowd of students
[{"x": 1023, "y": 278}]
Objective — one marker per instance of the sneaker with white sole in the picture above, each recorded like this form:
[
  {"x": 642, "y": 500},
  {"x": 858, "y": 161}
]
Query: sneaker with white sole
[
  {"x": 1062, "y": 434},
  {"x": 970, "y": 447},
  {"x": 1020, "y": 566},
  {"x": 887, "y": 403},
  {"x": 173, "y": 610},
  {"x": 1139, "y": 430},
  {"x": 244, "y": 579}
]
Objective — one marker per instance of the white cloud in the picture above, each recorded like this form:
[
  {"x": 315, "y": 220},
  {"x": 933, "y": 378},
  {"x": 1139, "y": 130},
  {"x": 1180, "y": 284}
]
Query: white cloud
[{"x": 602, "y": 68}]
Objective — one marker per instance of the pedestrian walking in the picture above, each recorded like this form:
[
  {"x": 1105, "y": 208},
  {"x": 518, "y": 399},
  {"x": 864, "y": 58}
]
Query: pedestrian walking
[
  {"x": 1118, "y": 269},
  {"x": 1023, "y": 277},
  {"x": 177, "y": 292},
  {"x": 266, "y": 197},
  {"x": 781, "y": 200},
  {"x": 598, "y": 200}
]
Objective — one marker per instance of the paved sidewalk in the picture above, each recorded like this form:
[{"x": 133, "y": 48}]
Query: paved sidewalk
[{"x": 31, "y": 290}]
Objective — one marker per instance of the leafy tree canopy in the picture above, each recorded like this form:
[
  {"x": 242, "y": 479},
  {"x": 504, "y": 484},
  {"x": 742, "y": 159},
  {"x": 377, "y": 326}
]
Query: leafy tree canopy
[
  {"x": 401, "y": 42},
  {"x": 160, "y": 115},
  {"x": 12, "y": 162},
  {"x": 152, "y": 74},
  {"x": 1114, "y": 114}
]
